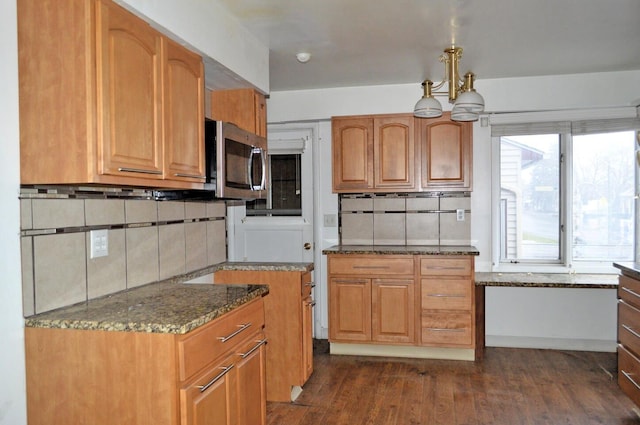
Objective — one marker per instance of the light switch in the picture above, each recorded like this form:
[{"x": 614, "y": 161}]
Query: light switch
[
  {"x": 99, "y": 243},
  {"x": 330, "y": 220}
]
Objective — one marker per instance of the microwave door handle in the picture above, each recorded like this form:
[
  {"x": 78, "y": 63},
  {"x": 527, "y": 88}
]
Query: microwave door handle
[
  {"x": 263, "y": 157},
  {"x": 250, "y": 169}
]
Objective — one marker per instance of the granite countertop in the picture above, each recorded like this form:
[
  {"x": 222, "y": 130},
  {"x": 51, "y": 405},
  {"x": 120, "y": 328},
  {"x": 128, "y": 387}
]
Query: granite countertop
[
  {"x": 547, "y": 280},
  {"x": 402, "y": 249},
  {"x": 630, "y": 269},
  {"x": 254, "y": 266},
  {"x": 164, "y": 307}
]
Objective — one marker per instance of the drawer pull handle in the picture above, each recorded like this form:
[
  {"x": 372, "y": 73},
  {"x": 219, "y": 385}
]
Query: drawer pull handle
[
  {"x": 192, "y": 176},
  {"x": 240, "y": 329},
  {"x": 372, "y": 267},
  {"x": 628, "y": 376},
  {"x": 311, "y": 304},
  {"x": 634, "y": 333},
  {"x": 225, "y": 370},
  {"x": 635, "y": 294},
  {"x": 310, "y": 284},
  {"x": 138, "y": 170},
  {"x": 445, "y": 330},
  {"x": 444, "y": 268},
  {"x": 446, "y": 295},
  {"x": 258, "y": 345}
]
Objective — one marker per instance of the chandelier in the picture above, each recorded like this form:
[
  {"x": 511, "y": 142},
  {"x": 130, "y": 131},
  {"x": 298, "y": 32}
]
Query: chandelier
[{"x": 467, "y": 103}]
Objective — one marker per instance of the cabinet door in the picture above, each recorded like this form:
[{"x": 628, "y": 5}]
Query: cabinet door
[
  {"x": 307, "y": 338},
  {"x": 212, "y": 399},
  {"x": 260, "y": 114},
  {"x": 252, "y": 391},
  {"x": 352, "y": 150},
  {"x": 350, "y": 309},
  {"x": 183, "y": 114},
  {"x": 393, "y": 312},
  {"x": 129, "y": 68},
  {"x": 394, "y": 157},
  {"x": 445, "y": 148},
  {"x": 245, "y": 108}
]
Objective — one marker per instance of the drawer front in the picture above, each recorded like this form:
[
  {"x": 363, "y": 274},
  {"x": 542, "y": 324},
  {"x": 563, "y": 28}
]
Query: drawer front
[
  {"x": 439, "y": 266},
  {"x": 211, "y": 341},
  {"x": 446, "y": 294},
  {"x": 629, "y": 327},
  {"x": 629, "y": 374},
  {"x": 371, "y": 265},
  {"x": 446, "y": 329},
  {"x": 629, "y": 290}
]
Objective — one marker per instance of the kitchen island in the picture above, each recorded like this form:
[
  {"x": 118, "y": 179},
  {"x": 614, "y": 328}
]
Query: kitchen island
[
  {"x": 405, "y": 301},
  {"x": 165, "y": 353}
]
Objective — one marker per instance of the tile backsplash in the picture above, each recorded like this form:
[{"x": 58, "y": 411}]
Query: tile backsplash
[
  {"x": 148, "y": 241},
  {"x": 405, "y": 219}
]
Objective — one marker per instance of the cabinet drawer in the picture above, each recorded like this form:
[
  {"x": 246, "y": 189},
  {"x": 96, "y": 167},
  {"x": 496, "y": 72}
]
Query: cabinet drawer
[
  {"x": 446, "y": 329},
  {"x": 446, "y": 294},
  {"x": 629, "y": 290},
  {"x": 206, "y": 344},
  {"x": 629, "y": 374},
  {"x": 371, "y": 265},
  {"x": 629, "y": 327},
  {"x": 445, "y": 266}
]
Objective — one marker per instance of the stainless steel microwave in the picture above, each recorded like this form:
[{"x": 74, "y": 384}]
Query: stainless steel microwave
[{"x": 236, "y": 161}]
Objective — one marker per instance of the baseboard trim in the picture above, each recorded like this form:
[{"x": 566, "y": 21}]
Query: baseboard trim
[
  {"x": 551, "y": 343},
  {"x": 466, "y": 354}
]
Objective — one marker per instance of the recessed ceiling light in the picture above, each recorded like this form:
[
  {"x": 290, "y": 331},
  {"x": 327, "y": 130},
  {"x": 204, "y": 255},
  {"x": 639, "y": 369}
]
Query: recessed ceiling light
[{"x": 303, "y": 57}]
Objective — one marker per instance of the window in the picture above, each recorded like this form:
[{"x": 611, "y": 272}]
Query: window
[
  {"x": 285, "y": 194},
  {"x": 566, "y": 193}
]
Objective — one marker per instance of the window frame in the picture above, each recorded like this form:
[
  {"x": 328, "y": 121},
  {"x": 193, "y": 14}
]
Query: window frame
[{"x": 608, "y": 121}]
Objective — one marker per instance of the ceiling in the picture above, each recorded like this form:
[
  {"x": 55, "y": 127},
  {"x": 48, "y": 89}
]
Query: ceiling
[{"x": 372, "y": 42}]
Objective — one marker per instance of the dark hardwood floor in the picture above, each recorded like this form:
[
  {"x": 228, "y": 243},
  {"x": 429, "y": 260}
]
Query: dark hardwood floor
[{"x": 508, "y": 387}]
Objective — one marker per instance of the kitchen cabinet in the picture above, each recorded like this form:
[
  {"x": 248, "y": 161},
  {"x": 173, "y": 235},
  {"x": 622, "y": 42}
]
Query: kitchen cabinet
[
  {"x": 245, "y": 108},
  {"x": 106, "y": 99},
  {"x": 373, "y": 153},
  {"x": 447, "y": 302},
  {"x": 445, "y": 154},
  {"x": 405, "y": 304},
  {"x": 371, "y": 299},
  {"x": 212, "y": 375},
  {"x": 289, "y": 326},
  {"x": 629, "y": 336}
]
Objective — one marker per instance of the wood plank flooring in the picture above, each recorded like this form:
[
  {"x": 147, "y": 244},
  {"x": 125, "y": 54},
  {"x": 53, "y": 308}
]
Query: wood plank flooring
[{"x": 508, "y": 387}]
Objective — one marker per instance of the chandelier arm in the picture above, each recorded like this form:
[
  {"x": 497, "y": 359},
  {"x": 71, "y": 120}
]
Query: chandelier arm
[{"x": 439, "y": 85}]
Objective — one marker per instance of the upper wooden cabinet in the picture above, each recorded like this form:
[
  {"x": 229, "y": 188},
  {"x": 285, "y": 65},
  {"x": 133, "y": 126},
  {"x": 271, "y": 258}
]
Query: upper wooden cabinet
[
  {"x": 400, "y": 153},
  {"x": 106, "y": 99},
  {"x": 245, "y": 108},
  {"x": 373, "y": 153},
  {"x": 445, "y": 154}
]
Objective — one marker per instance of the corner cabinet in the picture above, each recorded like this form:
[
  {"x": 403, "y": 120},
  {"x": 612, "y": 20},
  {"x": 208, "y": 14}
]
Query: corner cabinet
[
  {"x": 401, "y": 153},
  {"x": 125, "y": 107},
  {"x": 445, "y": 154},
  {"x": 213, "y": 375},
  {"x": 289, "y": 326},
  {"x": 404, "y": 305},
  {"x": 373, "y": 153},
  {"x": 245, "y": 108}
]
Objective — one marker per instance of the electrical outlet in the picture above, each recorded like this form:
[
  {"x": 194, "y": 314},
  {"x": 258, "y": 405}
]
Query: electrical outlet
[
  {"x": 99, "y": 243},
  {"x": 460, "y": 215}
]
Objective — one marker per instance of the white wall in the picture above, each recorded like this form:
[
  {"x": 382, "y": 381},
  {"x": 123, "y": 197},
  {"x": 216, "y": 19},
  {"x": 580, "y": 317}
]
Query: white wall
[
  {"x": 12, "y": 380},
  {"x": 548, "y": 318}
]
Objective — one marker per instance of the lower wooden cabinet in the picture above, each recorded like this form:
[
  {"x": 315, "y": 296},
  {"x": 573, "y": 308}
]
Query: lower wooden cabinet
[
  {"x": 289, "y": 326},
  {"x": 404, "y": 300},
  {"x": 629, "y": 337},
  {"x": 214, "y": 375}
]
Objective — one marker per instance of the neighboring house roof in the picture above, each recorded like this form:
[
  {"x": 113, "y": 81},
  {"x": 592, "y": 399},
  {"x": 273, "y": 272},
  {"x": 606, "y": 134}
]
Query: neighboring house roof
[{"x": 528, "y": 154}]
